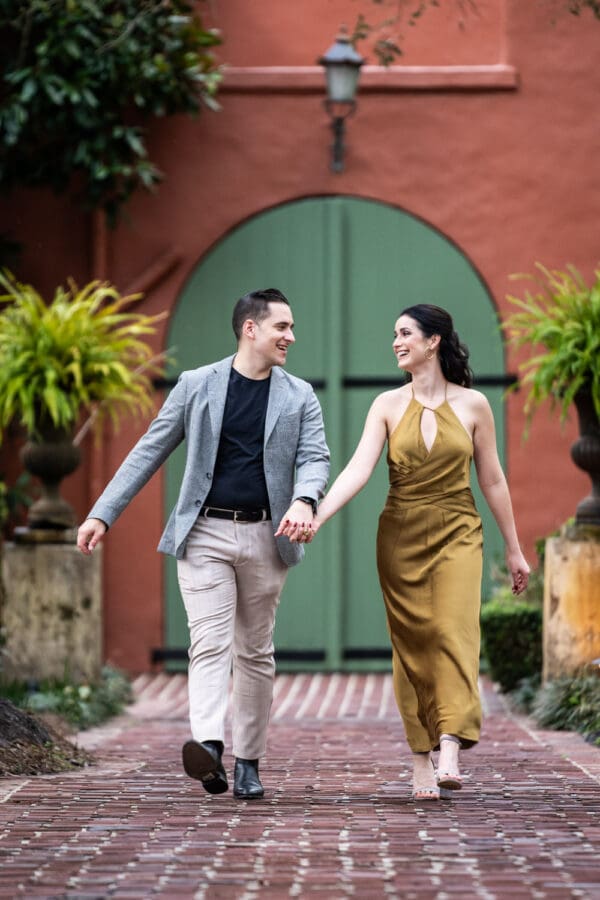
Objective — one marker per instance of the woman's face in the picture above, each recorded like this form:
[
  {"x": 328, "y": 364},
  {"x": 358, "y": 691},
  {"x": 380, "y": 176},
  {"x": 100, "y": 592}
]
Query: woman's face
[{"x": 409, "y": 343}]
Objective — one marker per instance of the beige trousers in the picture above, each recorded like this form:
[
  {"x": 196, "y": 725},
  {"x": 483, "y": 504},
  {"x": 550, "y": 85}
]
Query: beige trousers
[{"x": 231, "y": 579}]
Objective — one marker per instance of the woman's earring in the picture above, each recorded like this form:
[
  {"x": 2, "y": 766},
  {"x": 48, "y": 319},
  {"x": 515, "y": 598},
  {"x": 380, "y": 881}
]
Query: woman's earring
[{"x": 429, "y": 354}]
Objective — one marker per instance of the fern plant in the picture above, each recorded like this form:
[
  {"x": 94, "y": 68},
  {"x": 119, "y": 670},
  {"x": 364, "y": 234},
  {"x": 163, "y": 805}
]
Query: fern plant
[
  {"x": 561, "y": 321},
  {"x": 83, "y": 352}
]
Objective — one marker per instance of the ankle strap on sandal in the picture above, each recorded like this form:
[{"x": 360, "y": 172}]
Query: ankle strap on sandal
[{"x": 450, "y": 737}]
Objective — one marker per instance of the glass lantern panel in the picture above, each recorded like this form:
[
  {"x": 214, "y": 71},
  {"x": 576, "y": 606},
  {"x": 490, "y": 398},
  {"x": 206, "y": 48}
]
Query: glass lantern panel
[{"x": 341, "y": 82}]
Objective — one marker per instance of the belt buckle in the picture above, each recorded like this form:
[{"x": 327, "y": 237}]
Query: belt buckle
[{"x": 249, "y": 516}]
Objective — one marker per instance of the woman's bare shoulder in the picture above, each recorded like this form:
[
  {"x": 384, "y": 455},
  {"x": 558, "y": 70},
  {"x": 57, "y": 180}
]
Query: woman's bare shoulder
[
  {"x": 391, "y": 400},
  {"x": 390, "y": 406},
  {"x": 469, "y": 396},
  {"x": 388, "y": 398}
]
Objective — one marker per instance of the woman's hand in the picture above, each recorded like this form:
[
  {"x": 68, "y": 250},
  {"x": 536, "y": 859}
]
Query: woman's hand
[
  {"x": 298, "y": 533},
  {"x": 519, "y": 571},
  {"x": 315, "y": 525}
]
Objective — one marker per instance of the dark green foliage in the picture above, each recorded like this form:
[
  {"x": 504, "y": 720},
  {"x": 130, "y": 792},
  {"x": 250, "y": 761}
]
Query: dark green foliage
[
  {"x": 523, "y": 696},
  {"x": 512, "y": 640},
  {"x": 78, "y": 78},
  {"x": 14, "y": 498},
  {"x": 571, "y": 704},
  {"x": 81, "y": 705}
]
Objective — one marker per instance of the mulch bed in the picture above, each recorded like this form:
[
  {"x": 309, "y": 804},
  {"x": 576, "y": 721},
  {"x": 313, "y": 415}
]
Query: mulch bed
[{"x": 30, "y": 746}]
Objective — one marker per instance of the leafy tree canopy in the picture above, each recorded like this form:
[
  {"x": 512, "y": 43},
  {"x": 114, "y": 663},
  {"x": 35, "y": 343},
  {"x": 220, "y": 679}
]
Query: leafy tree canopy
[{"x": 79, "y": 78}]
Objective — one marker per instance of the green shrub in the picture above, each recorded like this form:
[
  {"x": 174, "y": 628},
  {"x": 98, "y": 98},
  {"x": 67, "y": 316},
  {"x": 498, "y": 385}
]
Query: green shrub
[
  {"x": 571, "y": 703},
  {"x": 81, "y": 705},
  {"x": 13, "y": 500},
  {"x": 512, "y": 640},
  {"x": 524, "y": 695}
]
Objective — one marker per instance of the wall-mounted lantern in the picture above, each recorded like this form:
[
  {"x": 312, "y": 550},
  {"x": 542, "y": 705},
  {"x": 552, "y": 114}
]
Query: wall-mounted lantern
[{"x": 342, "y": 69}]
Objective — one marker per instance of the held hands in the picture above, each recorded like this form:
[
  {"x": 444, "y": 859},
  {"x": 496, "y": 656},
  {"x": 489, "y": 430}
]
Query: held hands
[
  {"x": 90, "y": 534},
  {"x": 298, "y": 523},
  {"x": 519, "y": 571},
  {"x": 298, "y": 534}
]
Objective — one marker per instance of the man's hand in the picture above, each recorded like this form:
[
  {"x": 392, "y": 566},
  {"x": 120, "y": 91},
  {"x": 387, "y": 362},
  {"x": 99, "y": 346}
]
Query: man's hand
[
  {"x": 90, "y": 534},
  {"x": 296, "y": 524}
]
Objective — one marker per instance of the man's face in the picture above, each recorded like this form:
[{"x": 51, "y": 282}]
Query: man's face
[{"x": 273, "y": 335}]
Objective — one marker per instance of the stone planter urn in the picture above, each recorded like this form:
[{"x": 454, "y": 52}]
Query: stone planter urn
[
  {"x": 51, "y": 457},
  {"x": 52, "y": 608},
  {"x": 585, "y": 453}
]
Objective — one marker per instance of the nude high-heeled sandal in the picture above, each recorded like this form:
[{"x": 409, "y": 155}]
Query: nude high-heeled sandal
[
  {"x": 451, "y": 780},
  {"x": 425, "y": 791}
]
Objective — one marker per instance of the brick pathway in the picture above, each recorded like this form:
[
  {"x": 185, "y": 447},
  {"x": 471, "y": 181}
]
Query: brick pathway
[{"x": 337, "y": 820}]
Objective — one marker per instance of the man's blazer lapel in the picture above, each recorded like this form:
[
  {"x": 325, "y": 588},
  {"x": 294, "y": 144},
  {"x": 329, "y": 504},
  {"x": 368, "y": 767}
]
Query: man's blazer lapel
[
  {"x": 218, "y": 380},
  {"x": 277, "y": 395}
]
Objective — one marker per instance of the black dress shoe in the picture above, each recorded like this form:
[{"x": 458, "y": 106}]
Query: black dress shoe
[
  {"x": 202, "y": 760},
  {"x": 246, "y": 783}
]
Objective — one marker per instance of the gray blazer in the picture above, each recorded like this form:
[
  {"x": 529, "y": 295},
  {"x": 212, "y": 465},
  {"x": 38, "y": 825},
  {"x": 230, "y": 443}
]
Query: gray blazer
[{"x": 296, "y": 457}]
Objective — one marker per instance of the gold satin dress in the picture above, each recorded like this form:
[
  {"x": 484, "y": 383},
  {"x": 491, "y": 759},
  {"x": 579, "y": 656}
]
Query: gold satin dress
[{"x": 429, "y": 559}]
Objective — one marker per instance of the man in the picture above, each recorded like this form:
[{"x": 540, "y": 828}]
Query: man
[{"x": 256, "y": 458}]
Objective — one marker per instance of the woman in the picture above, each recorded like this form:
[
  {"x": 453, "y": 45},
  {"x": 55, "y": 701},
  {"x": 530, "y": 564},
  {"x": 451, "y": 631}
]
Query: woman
[{"x": 429, "y": 543}]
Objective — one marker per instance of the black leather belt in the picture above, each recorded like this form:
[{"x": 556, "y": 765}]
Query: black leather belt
[{"x": 235, "y": 515}]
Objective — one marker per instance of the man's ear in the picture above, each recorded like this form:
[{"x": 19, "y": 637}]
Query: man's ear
[{"x": 249, "y": 329}]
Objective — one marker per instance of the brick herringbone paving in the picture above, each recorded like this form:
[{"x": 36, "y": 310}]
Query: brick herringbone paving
[{"x": 337, "y": 821}]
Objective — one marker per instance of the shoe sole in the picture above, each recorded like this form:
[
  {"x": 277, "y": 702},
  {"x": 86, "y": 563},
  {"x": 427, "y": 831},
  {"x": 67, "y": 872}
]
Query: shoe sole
[
  {"x": 240, "y": 796},
  {"x": 426, "y": 796},
  {"x": 449, "y": 783},
  {"x": 198, "y": 763}
]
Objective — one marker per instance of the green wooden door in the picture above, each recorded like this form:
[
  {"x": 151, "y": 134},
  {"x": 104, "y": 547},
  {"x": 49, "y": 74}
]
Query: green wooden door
[{"x": 348, "y": 267}]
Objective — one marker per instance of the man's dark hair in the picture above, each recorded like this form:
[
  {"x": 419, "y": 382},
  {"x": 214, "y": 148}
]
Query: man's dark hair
[{"x": 255, "y": 306}]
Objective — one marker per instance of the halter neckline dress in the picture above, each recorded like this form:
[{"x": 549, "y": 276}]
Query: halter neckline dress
[{"x": 429, "y": 560}]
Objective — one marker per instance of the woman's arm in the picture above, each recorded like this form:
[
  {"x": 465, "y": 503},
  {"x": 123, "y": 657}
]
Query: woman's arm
[
  {"x": 494, "y": 488},
  {"x": 354, "y": 477}
]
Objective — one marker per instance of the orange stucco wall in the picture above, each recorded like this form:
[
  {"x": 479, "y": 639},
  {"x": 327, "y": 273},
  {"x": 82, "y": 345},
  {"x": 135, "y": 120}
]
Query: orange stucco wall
[{"x": 507, "y": 171}]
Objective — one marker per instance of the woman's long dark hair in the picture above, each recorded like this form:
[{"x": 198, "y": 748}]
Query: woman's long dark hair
[{"x": 454, "y": 356}]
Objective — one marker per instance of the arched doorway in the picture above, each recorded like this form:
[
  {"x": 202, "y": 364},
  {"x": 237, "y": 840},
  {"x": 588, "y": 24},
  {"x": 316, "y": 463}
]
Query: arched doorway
[{"x": 348, "y": 266}]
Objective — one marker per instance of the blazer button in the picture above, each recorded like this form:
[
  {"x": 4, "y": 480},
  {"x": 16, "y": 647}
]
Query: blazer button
[
  {"x": 208, "y": 475},
  {"x": 197, "y": 502}
]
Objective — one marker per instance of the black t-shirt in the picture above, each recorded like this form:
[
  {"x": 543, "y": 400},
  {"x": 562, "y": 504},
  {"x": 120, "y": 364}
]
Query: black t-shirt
[{"x": 239, "y": 479}]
